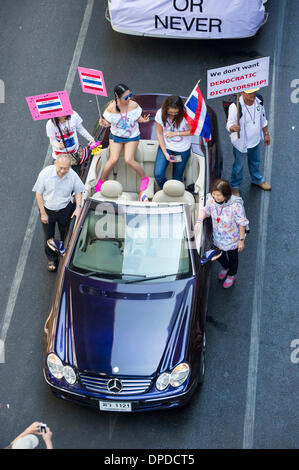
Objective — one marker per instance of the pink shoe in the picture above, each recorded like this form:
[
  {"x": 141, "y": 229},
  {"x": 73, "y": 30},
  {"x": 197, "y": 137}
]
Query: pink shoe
[
  {"x": 98, "y": 186},
  {"x": 222, "y": 274},
  {"x": 144, "y": 183},
  {"x": 229, "y": 281}
]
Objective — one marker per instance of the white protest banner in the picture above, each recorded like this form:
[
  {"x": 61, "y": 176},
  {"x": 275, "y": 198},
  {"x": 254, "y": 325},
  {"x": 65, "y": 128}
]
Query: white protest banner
[
  {"x": 203, "y": 19},
  {"x": 239, "y": 77}
]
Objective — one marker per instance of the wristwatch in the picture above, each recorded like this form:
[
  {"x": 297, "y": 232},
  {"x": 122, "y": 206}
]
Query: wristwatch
[{"x": 242, "y": 239}]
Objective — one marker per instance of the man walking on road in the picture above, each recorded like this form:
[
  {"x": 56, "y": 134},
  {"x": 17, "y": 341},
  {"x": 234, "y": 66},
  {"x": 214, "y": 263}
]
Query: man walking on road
[
  {"x": 252, "y": 129},
  {"x": 54, "y": 189}
]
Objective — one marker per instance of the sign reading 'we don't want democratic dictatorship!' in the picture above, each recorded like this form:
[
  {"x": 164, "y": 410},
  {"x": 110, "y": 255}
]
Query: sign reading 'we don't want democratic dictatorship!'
[{"x": 238, "y": 77}]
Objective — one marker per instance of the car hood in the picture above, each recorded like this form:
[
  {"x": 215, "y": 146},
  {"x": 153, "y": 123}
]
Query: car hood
[{"x": 127, "y": 329}]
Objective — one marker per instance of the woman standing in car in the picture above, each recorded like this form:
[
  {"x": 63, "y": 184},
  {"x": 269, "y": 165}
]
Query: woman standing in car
[
  {"x": 63, "y": 134},
  {"x": 229, "y": 223},
  {"x": 174, "y": 137},
  {"x": 123, "y": 115}
]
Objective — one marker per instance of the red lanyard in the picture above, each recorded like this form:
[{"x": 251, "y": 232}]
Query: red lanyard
[{"x": 219, "y": 215}]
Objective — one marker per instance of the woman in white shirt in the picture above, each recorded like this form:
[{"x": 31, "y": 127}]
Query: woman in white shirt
[
  {"x": 62, "y": 132},
  {"x": 123, "y": 116},
  {"x": 174, "y": 137}
]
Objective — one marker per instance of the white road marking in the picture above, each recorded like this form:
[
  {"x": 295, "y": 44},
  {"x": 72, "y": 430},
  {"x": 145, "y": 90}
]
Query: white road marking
[
  {"x": 249, "y": 422},
  {"x": 34, "y": 215}
]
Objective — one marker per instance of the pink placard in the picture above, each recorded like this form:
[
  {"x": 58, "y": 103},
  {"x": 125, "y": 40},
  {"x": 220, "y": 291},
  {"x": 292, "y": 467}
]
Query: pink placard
[
  {"x": 49, "y": 105},
  {"x": 92, "y": 81}
]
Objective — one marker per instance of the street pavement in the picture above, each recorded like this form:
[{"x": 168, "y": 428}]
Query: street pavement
[{"x": 250, "y": 395}]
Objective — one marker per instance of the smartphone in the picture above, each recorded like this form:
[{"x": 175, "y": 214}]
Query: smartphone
[
  {"x": 175, "y": 158},
  {"x": 43, "y": 427}
]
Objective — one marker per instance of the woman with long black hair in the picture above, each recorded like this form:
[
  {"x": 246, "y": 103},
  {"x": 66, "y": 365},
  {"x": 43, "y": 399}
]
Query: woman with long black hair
[
  {"x": 62, "y": 132},
  {"x": 123, "y": 115},
  {"x": 174, "y": 137}
]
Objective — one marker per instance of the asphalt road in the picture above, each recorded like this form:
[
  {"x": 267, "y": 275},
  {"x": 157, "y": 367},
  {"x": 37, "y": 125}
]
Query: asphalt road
[{"x": 250, "y": 395}]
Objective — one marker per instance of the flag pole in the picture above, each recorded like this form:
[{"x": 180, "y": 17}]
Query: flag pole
[
  {"x": 99, "y": 109},
  {"x": 238, "y": 112}
]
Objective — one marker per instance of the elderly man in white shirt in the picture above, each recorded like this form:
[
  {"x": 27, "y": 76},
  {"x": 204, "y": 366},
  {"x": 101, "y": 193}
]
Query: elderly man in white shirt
[
  {"x": 55, "y": 186},
  {"x": 252, "y": 130}
]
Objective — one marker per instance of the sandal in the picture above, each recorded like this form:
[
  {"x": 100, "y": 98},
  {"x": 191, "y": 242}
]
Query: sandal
[{"x": 51, "y": 266}]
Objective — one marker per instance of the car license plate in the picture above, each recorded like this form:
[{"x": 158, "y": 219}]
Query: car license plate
[{"x": 115, "y": 406}]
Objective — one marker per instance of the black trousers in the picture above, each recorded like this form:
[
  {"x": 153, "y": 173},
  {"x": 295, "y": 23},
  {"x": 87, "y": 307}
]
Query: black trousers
[
  {"x": 229, "y": 260},
  {"x": 62, "y": 219}
]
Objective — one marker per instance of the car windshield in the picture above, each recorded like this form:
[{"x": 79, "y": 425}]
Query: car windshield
[{"x": 130, "y": 243}]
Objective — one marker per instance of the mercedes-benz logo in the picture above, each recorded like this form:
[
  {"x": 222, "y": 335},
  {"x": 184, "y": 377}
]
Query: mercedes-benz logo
[{"x": 115, "y": 386}]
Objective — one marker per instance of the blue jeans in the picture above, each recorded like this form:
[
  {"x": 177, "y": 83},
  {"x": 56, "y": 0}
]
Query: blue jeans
[
  {"x": 254, "y": 159},
  {"x": 161, "y": 165}
]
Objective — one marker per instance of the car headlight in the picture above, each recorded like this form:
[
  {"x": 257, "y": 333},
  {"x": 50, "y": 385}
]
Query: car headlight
[
  {"x": 179, "y": 374},
  {"x": 58, "y": 370},
  {"x": 163, "y": 381},
  {"x": 69, "y": 375},
  {"x": 176, "y": 378},
  {"x": 55, "y": 366}
]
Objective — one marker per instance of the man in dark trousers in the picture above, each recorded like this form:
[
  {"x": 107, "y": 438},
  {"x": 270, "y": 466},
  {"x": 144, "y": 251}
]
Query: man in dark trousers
[
  {"x": 56, "y": 187},
  {"x": 253, "y": 130}
]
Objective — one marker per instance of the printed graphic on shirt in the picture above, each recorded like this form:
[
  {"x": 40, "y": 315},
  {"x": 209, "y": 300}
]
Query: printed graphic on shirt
[{"x": 69, "y": 139}]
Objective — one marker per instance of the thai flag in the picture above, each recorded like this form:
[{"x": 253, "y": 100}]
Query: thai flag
[
  {"x": 196, "y": 114},
  {"x": 92, "y": 82},
  {"x": 49, "y": 105}
]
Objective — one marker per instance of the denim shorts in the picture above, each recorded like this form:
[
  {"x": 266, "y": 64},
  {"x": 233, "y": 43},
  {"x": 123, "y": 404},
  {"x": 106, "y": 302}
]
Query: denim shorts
[{"x": 123, "y": 140}]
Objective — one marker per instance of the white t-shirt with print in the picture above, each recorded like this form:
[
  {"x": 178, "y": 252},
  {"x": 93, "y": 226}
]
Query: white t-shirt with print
[
  {"x": 69, "y": 131},
  {"x": 177, "y": 143},
  {"x": 124, "y": 124}
]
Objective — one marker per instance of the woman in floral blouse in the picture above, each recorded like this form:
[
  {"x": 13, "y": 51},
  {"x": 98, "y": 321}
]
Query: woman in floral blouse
[{"x": 229, "y": 222}]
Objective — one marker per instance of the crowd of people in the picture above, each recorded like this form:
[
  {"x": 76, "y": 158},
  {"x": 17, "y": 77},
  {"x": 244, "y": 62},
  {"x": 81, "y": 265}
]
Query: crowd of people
[{"x": 59, "y": 189}]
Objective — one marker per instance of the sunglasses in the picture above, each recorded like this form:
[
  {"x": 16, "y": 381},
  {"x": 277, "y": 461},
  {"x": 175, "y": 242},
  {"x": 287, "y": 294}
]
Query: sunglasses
[{"x": 127, "y": 97}]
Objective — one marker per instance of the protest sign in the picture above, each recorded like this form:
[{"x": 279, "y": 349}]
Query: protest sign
[
  {"x": 239, "y": 77},
  {"x": 204, "y": 19},
  {"x": 49, "y": 105},
  {"x": 92, "y": 81}
]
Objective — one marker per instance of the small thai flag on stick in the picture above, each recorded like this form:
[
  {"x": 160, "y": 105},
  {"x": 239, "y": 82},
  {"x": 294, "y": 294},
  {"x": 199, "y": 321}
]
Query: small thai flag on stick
[
  {"x": 92, "y": 81},
  {"x": 49, "y": 105}
]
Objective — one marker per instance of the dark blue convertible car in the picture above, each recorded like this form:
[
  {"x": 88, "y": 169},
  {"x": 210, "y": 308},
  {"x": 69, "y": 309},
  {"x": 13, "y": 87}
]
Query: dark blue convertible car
[{"x": 126, "y": 327}]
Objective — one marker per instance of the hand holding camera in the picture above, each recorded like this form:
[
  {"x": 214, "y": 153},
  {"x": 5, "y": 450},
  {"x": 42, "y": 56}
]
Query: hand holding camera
[
  {"x": 46, "y": 435},
  {"x": 42, "y": 428}
]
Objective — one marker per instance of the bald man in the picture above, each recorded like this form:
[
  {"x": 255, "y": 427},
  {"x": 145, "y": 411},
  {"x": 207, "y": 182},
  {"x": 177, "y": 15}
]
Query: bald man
[{"x": 55, "y": 186}]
